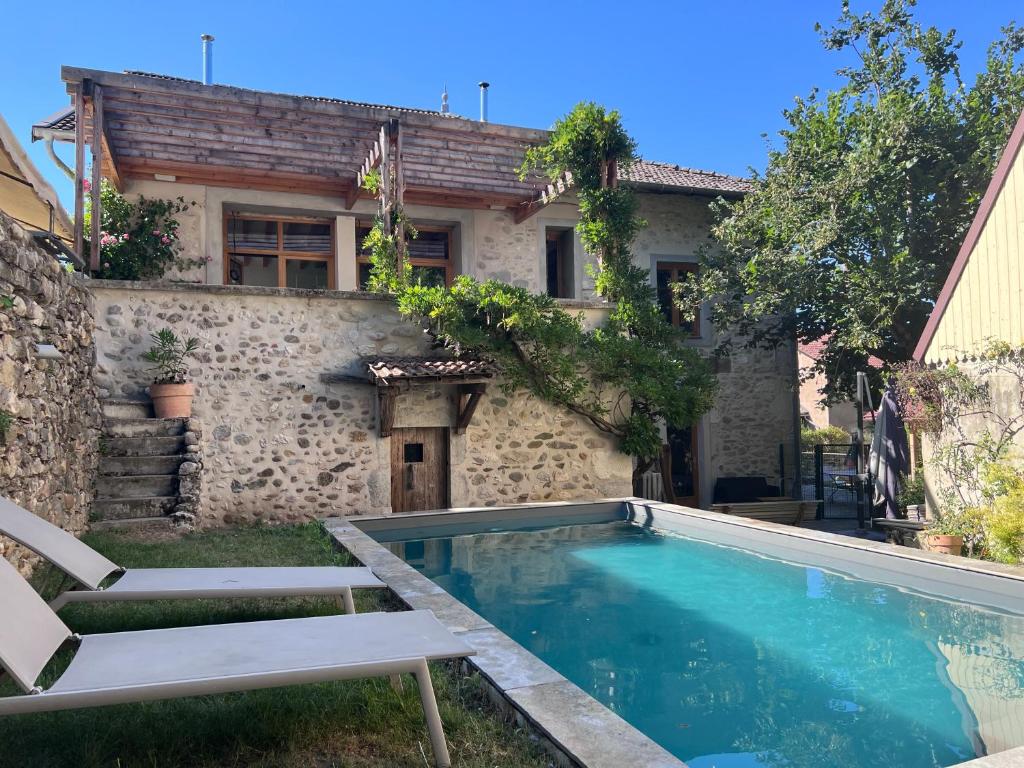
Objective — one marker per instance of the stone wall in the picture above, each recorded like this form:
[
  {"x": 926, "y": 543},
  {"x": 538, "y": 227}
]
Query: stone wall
[
  {"x": 752, "y": 418},
  {"x": 279, "y": 443},
  {"x": 48, "y": 456}
]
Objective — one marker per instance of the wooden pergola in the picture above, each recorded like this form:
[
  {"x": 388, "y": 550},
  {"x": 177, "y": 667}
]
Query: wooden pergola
[{"x": 141, "y": 126}]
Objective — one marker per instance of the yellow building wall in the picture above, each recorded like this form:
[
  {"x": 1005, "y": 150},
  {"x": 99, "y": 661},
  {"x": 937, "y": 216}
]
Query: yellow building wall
[{"x": 988, "y": 302}]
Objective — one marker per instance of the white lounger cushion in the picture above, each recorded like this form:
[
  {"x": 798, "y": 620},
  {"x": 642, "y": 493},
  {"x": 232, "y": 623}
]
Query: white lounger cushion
[
  {"x": 75, "y": 558},
  {"x": 158, "y": 583},
  {"x": 125, "y": 667}
]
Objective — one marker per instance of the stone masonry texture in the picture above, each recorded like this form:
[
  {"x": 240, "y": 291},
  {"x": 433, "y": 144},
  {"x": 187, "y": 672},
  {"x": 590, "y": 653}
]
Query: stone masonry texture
[
  {"x": 280, "y": 444},
  {"x": 48, "y": 456}
]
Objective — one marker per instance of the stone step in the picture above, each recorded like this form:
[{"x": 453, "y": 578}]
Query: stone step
[
  {"x": 140, "y": 465},
  {"x": 143, "y": 427},
  {"x": 136, "y": 525},
  {"x": 109, "y": 487},
  {"x": 164, "y": 445},
  {"x": 127, "y": 408},
  {"x": 132, "y": 508}
]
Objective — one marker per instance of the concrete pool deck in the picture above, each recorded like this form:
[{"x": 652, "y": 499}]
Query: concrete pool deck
[{"x": 576, "y": 728}]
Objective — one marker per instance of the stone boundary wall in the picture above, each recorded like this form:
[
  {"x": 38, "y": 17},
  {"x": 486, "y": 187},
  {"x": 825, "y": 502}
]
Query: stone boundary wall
[
  {"x": 49, "y": 455},
  {"x": 280, "y": 444}
]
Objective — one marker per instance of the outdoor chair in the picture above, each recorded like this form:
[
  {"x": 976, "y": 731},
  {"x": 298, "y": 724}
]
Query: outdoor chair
[
  {"x": 844, "y": 484},
  {"x": 128, "y": 667},
  {"x": 89, "y": 568}
]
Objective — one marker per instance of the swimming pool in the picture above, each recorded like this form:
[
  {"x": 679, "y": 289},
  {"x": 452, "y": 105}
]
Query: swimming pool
[{"x": 733, "y": 648}]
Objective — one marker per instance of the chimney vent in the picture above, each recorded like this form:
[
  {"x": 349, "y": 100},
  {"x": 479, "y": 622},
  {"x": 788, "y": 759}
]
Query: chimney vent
[
  {"x": 207, "y": 59},
  {"x": 484, "y": 85},
  {"x": 444, "y": 100}
]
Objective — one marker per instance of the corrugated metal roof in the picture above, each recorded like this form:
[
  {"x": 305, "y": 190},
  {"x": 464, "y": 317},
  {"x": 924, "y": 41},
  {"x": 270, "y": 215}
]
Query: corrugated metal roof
[
  {"x": 327, "y": 99},
  {"x": 644, "y": 173}
]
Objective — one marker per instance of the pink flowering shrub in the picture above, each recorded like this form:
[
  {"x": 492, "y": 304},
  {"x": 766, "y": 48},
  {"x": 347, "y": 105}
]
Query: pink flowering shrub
[{"x": 139, "y": 239}]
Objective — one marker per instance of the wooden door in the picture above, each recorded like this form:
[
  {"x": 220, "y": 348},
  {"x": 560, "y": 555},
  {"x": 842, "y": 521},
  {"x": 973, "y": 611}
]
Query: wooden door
[
  {"x": 419, "y": 469},
  {"x": 684, "y": 473}
]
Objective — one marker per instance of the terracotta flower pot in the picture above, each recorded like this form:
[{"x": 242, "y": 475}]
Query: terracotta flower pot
[
  {"x": 949, "y": 545},
  {"x": 172, "y": 401}
]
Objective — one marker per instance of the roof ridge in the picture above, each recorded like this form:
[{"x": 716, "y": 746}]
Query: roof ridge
[{"x": 330, "y": 99}]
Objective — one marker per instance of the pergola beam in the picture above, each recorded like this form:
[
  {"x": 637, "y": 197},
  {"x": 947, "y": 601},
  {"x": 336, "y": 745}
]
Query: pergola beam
[
  {"x": 374, "y": 158},
  {"x": 79, "y": 96},
  {"x": 551, "y": 193},
  {"x": 96, "y": 145}
]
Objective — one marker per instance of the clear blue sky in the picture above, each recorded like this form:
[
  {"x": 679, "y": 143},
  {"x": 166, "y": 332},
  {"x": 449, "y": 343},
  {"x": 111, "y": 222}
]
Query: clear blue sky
[{"x": 698, "y": 83}]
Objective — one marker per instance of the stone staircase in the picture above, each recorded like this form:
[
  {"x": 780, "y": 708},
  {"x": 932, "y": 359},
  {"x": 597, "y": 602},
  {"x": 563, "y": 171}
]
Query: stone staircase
[{"x": 138, "y": 481}]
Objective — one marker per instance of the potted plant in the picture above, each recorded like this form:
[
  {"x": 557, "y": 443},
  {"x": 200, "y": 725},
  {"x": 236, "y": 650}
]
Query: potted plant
[
  {"x": 911, "y": 496},
  {"x": 952, "y": 529},
  {"x": 171, "y": 392}
]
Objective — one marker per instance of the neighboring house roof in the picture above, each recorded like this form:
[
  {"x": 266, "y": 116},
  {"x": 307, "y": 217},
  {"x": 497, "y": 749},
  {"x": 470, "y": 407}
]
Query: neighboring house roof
[
  {"x": 498, "y": 162},
  {"x": 25, "y": 195},
  {"x": 648, "y": 173},
  {"x": 814, "y": 350},
  {"x": 1013, "y": 253},
  {"x": 385, "y": 371}
]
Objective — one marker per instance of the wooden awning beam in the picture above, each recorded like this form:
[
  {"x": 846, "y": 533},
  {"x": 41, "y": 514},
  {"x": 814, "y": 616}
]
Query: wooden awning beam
[
  {"x": 551, "y": 193},
  {"x": 387, "y": 404},
  {"x": 468, "y": 400}
]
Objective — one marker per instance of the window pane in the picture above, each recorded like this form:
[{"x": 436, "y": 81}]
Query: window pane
[
  {"x": 429, "y": 276},
  {"x": 244, "y": 269},
  {"x": 302, "y": 273},
  {"x": 429, "y": 245},
  {"x": 252, "y": 233},
  {"x": 311, "y": 237},
  {"x": 361, "y": 235},
  {"x": 364, "y": 276}
]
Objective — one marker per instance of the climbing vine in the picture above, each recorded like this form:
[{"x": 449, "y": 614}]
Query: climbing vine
[
  {"x": 390, "y": 270},
  {"x": 625, "y": 376}
]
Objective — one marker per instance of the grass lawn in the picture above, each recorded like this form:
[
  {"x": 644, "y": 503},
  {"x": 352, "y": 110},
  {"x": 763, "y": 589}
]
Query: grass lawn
[{"x": 352, "y": 723}]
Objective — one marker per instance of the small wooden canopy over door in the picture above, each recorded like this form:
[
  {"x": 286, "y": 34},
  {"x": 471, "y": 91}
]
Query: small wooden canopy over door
[{"x": 419, "y": 469}]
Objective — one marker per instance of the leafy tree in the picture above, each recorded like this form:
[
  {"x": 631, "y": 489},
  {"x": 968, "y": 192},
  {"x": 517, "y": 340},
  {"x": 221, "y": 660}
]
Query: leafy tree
[{"x": 850, "y": 232}]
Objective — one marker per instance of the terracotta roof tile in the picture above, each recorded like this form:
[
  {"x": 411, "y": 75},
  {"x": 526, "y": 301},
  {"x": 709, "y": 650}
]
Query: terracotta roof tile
[
  {"x": 649, "y": 172},
  {"x": 384, "y": 370}
]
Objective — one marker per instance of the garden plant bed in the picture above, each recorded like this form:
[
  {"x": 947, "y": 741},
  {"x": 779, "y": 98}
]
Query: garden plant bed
[{"x": 360, "y": 723}]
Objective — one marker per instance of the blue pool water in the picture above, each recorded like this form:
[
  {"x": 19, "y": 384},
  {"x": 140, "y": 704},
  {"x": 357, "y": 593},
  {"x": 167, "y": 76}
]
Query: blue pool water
[{"x": 729, "y": 659}]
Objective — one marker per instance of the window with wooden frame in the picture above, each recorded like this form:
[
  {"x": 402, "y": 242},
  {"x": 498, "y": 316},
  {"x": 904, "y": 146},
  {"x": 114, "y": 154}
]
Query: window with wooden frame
[
  {"x": 430, "y": 255},
  {"x": 278, "y": 251},
  {"x": 669, "y": 272}
]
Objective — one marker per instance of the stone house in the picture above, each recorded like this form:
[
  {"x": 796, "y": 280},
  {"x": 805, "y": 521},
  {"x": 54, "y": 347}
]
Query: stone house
[
  {"x": 982, "y": 300},
  {"x": 814, "y": 410},
  {"x": 292, "y": 424}
]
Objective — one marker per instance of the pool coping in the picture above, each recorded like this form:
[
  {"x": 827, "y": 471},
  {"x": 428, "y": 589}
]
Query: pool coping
[{"x": 575, "y": 727}]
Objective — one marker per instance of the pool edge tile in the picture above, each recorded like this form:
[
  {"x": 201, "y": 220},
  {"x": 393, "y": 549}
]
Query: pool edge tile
[{"x": 586, "y": 729}]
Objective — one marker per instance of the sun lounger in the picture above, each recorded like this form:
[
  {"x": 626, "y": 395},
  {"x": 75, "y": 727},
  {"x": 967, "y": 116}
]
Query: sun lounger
[
  {"x": 89, "y": 568},
  {"x": 127, "y": 667}
]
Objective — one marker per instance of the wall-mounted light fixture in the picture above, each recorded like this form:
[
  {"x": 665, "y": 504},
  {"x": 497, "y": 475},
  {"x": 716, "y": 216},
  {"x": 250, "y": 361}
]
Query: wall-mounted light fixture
[{"x": 48, "y": 352}]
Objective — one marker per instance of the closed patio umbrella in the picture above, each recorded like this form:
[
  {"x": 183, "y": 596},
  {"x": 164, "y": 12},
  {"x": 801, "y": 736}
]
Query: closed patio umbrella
[{"x": 890, "y": 454}]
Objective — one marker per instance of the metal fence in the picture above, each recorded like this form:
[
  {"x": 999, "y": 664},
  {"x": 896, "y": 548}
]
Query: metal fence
[{"x": 829, "y": 474}]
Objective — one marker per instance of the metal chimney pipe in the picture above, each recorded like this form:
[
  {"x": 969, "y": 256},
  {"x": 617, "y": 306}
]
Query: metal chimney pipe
[
  {"x": 484, "y": 85},
  {"x": 207, "y": 59}
]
